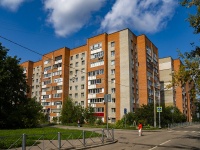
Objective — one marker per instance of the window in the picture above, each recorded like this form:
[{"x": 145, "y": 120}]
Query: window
[
  {"x": 71, "y": 65},
  {"x": 98, "y": 63},
  {"x": 82, "y": 78},
  {"x": 76, "y": 64},
  {"x": 76, "y": 79},
  {"x": 83, "y": 54},
  {"x": 112, "y": 53},
  {"x": 112, "y": 71},
  {"x": 70, "y": 88},
  {"x": 71, "y": 57},
  {"x": 82, "y": 86},
  {"x": 58, "y": 58},
  {"x": 47, "y": 82},
  {"x": 76, "y": 95},
  {"x": 58, "y": 80},
  {"x": 77, "y": 56},
  {"x": 76, "y": 72},
  {"x": 36, "y": 80},
  {"x": 112, "y": 44},
  {"x": 83, "y": 70},
  {"x": 113, "y": 110},
  {"x": 96, "y": 46},
  {"x": 112, "y": 62},
  {"x": 45, "y": 62},
  {"x": 76, "y": 87},
  {"x": 113, "y": 90},
  {"x": 47, "y": 68},
  {"x": 82, "y": 103},
  {"x": 70, "y": 95},
  {"x": 113, "y": 120},
  {"x": 113, "y": 80},
  {"x": 71, "y": 73},
  {"x": 96, "y": 72},
  {"x": 113, "y": 100},
  {"x": 57, "y": 95},
  {"x": 82, "y": 95},
  {"x": 45, "y": 96},
  {"x": 83, "y": 62}
]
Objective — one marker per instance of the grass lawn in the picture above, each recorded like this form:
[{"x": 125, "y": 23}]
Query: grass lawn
[{"x": 9, "y": 137}]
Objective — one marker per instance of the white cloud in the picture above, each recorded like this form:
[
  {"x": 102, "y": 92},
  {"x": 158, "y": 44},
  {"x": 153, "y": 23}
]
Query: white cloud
[
  {"x": 68, "y": 16},
  {"x": 12, "y": 5},
  {"x": 148, "y": 16}
]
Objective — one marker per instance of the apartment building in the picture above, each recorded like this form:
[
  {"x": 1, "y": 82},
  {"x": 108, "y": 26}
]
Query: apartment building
[
  {"x": 174, "y": 96},
  {"x": 121, "y": 64}
]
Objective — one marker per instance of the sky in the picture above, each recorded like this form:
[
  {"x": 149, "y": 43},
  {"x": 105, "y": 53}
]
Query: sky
[{"x": 31, "y": 28}]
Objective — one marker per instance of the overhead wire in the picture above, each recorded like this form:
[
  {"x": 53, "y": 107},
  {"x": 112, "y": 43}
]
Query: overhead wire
[{"x": 52, "y": 59}]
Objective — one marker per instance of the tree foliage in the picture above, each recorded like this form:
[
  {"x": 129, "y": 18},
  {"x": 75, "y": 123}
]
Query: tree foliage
[
  {"x": 16, "y": 110},
  {"x": 190, "y": 71},
  {"x": 194, "y": 19},
  {"x": 145, "y": 115},
  {"x": 71, "y": 113}
]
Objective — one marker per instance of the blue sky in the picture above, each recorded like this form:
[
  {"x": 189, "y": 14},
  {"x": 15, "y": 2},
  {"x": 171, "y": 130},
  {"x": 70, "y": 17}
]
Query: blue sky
[{"x": 46, "y": 25}]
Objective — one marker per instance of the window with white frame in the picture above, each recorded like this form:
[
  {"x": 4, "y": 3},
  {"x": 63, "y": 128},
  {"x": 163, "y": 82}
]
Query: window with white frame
[
  {"x": 112, "y": 53},
  {"x": 47, "y": 61},
  {"x": 112, "y": 62},
  {"x": 76, "y": 64},
  {"x": 113, "y": 110},
  {"x": 76, "y": 95},
  {"x": 113, "y": 100},
  {"x": 70, "y": 88},
  {"x": 47, "y": 68},
  {"x": 113, "y": 80},
  {"x": 57, "y": 95},
  {"x": 98, "y": 109},
  {"x": 76, "y": 87},
  {"x": 82, "y": 86},
  {"x": 82, "y": 78},
  {"x": 82, "y": 103},
  {"x": 98, "y": 63},
  {"x": 112, "y": 44},
  {"x": 112, "y": 71},
  {"x": 83, "y": 70},
  {"x": 77, "y": 56},
  {"x": 82, "y": 95},
  {"x": 83, "y": 62},
  {"x": 58, "y": 80},
  {"x": 83, "y": 55},
  {"x": 112, "y": 90}
]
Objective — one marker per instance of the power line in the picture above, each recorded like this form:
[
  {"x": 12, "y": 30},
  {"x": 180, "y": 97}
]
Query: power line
[{"x": 52, "y": 59}]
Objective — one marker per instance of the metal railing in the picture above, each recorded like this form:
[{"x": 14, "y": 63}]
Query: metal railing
[
  {"x": 64, "y": 140},
  {"x": 182, "y": 124}
]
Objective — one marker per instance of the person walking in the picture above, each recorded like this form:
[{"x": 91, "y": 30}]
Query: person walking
[{"x": 140, "y": 129}]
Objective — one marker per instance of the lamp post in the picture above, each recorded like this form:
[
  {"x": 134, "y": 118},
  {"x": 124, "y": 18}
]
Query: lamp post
[{"x": 154, "y": 100}]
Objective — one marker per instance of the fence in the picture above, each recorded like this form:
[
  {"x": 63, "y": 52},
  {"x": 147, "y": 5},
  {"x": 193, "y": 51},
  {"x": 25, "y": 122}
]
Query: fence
[
  {"x": 59, "y": 140},
  {"x": 182, "y": 124}
]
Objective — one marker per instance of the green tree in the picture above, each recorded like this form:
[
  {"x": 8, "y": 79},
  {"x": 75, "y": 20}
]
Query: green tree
[
  {"x": 71, "y": 113},
  {"x": 194, "y": 19},
  {"x": 16, "y": 110},
  {"x": 67, "y": 113},
  {"x": 88, "y": 115}
]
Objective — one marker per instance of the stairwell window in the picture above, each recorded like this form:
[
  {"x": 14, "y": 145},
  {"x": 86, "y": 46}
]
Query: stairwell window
[
  {"x": 112, "y": 44},
  {"x": 112, "y": 53},
  {"x": 113, "y": 90},
  {"x": 112, "y": 62},
  {"x": 112, "y": 71}
]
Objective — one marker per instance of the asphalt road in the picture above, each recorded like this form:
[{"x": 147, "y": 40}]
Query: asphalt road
[{"x": 185, "y": 138}]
